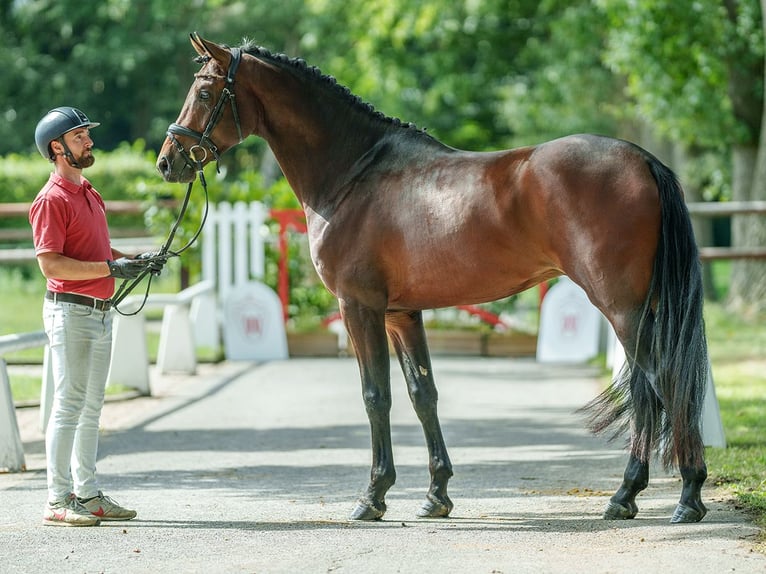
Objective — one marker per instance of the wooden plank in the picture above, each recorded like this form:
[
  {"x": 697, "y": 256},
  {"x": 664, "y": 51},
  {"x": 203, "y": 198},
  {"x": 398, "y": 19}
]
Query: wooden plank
[
  {"x": 718, "y": 253},
  {"x": 25, "y": 233},
  {"x": 726, "y": 208},
  {"x": 112, "y": 207},
  {"x": 130, "y": 245}
]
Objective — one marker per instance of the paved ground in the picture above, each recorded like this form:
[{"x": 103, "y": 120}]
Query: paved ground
[{"x": 255, "y": 468}]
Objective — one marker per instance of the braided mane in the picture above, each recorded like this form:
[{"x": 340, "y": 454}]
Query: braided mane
[{"x": 315, "y": 74}]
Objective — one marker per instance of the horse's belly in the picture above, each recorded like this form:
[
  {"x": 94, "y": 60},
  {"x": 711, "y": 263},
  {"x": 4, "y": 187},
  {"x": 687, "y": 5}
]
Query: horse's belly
[{"x": 461, "y": 286}]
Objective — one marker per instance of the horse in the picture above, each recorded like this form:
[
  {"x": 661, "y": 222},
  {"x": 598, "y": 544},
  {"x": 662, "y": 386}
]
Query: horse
[{"x": 399, "y": 222}]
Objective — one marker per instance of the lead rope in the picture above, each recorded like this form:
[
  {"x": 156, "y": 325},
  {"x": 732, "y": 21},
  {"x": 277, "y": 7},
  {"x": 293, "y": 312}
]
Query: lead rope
[{"x": 165, "y": 252}]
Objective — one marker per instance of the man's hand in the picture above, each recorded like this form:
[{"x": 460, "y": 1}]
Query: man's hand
[
  {"x": 124, "y": 268},
  {"x": 154, "y": 260}
]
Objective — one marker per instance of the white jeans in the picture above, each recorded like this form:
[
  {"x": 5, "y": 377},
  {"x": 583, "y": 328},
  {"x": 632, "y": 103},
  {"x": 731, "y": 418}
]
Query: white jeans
[{"x": 81, "y": 343}]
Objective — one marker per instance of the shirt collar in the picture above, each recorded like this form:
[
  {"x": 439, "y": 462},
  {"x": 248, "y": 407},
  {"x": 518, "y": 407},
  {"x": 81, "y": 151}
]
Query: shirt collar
[{"x": 67, "y": 185}]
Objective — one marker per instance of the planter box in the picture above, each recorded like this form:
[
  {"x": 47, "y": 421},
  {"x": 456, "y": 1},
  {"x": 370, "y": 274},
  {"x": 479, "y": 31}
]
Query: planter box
[
  {"x": 319, "y": 344},
  {"x": 457, "y": 342},
  {"x": 510, "y": 345},
  {"x": 440, "y": 342}
]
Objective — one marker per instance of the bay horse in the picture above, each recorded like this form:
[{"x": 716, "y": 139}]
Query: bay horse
[{"x": 399, "y": 222}]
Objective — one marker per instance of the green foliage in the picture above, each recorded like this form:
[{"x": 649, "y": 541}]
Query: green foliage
[
  {"x": 126, "y": 64},
  {"x": 737, "y": 349},
  {"x": 128, "y": 172},
  {"x": 440, "y": 65},
  {"x": 563, "y": 71},
  {"x": 675, "y": 57}
]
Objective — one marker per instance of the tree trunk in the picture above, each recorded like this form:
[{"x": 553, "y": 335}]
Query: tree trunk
[
  {"x": 703, "y": 226},
  {"x": 678, "y": 158},
  {"x": 747, "y": 291}
]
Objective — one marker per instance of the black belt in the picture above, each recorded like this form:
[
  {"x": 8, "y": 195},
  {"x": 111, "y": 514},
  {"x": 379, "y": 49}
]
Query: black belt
[{"x": 100, "y": 304}]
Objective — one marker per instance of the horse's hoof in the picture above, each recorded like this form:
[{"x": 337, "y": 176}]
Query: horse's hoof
[
  {"x": 365, "y": 510},
  {"x": 617, "y": 511},
  {"x": 685, "y": 514},
  {"x": 433, "y": 508}
]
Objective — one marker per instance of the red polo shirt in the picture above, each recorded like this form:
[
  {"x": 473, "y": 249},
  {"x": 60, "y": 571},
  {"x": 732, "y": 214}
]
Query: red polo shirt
[{"x": 71, "y": 220}]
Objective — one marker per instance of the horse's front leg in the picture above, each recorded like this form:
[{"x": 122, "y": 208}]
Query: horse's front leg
[
  {"x": 408, "y": 336},
  {"x": 366, "y": 327}
]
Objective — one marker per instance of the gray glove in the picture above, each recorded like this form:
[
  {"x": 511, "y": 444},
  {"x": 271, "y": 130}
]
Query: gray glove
[
  {"x": 124, "y": 268},
  {"x": 154, "y": 260}
]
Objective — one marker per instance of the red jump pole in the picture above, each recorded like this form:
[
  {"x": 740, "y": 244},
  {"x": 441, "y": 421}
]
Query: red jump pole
[{"x": 286, "y": 218}]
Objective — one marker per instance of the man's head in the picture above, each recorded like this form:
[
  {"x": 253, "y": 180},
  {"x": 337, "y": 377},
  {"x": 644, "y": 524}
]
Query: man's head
[{"x": 65, "y": 132}]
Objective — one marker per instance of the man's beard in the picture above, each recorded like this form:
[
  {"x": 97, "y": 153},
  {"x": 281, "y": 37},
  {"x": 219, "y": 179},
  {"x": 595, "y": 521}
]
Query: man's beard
[{"x": 86, "y": 160}]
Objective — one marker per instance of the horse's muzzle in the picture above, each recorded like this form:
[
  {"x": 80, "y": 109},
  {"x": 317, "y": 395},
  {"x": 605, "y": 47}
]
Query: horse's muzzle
[{"x": 174, "y": 171}]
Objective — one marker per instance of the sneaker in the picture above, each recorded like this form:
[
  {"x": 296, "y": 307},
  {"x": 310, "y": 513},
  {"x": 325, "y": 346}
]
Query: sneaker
[
  {"x": 106, "y": 508},
  {"x": 69, "y": 512}
]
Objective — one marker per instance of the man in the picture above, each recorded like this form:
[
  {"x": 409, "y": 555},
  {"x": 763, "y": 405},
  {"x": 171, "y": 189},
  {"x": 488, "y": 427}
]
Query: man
[{"x": 73, "y": 251}]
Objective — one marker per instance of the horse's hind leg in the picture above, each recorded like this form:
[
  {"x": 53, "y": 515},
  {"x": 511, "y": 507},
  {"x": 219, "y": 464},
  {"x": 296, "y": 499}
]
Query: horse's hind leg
[
  {"x": 690, "y": 508},
  {"x": 408, "y": 337},
  {"x": 622, "y": 505},
  {"x": 648, "y": 410}
]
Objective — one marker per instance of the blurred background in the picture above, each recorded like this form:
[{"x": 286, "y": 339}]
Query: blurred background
[{"x": 682, "y": 78}]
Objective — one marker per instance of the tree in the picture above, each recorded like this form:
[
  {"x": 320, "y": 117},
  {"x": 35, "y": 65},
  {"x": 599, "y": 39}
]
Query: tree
[
  {"x": 441, "y": 65},
  {"x": 565, "y": 87},
  {"x": 128, "y": 65},
  {"x": 696, "y": 73}
]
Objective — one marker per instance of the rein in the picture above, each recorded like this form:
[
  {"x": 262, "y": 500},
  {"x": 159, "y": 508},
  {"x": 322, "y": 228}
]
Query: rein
[
  {"x": 192, "y": 160},
  {"x": 165, "y": 252}
]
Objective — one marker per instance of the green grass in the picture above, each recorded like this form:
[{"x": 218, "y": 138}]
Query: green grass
[
  {"x": 25, "y": 388},
  {"x": 738, "y": 355}
]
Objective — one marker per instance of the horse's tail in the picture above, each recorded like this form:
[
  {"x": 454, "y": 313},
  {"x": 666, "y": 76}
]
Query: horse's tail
[{"x": 661, "y": 401}]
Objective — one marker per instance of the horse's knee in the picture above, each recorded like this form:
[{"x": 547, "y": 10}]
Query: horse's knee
[
  {"x": 423, "y": 397},
  {"x": 376, "y": 402}
]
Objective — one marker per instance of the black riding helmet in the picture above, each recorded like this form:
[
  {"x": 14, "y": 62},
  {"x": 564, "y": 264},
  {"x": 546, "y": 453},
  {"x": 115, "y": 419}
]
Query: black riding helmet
[{"x": 55, "y": 124}]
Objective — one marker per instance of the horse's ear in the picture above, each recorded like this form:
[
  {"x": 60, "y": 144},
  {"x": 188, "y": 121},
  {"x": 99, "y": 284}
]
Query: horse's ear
[
  {"x": 198, "y": 43},
  {"x": 215, "y": 51}
]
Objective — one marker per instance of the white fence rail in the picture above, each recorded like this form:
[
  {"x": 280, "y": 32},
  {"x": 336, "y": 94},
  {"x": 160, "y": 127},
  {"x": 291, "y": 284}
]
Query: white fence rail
[
  {"x": 11, "y": 449},
  {"x": 233, "y": 250}
]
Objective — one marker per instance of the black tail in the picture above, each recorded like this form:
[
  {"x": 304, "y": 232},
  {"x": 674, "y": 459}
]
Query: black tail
[{"x": 660, "y": 398}]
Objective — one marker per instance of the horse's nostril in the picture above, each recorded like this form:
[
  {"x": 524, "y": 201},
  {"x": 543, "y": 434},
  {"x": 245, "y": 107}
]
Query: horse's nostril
[{"x": 163, "y": 165}]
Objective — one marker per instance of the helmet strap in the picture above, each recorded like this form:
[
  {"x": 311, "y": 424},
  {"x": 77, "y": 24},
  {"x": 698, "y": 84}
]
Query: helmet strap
[{"x": 68, "y": 154}]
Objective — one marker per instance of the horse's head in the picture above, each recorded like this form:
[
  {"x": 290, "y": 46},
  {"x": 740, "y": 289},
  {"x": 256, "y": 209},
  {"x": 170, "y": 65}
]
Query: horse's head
[{"x": 209, "y": 122}]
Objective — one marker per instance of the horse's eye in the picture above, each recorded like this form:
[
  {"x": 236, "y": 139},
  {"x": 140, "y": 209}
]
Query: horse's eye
[{"x": 204, "y": 95}]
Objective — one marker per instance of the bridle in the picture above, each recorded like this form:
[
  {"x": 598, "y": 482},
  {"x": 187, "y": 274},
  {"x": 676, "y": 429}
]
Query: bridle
[{"x": 203, "y": 144}]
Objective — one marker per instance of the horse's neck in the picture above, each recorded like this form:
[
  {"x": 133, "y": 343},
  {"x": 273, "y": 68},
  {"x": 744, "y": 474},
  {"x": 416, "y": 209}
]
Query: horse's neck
[{"x": 315, "y": 135}]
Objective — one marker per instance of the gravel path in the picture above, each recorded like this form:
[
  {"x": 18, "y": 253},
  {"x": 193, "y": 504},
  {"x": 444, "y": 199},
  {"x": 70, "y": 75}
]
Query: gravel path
[{"x": 255, "y": 468}]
